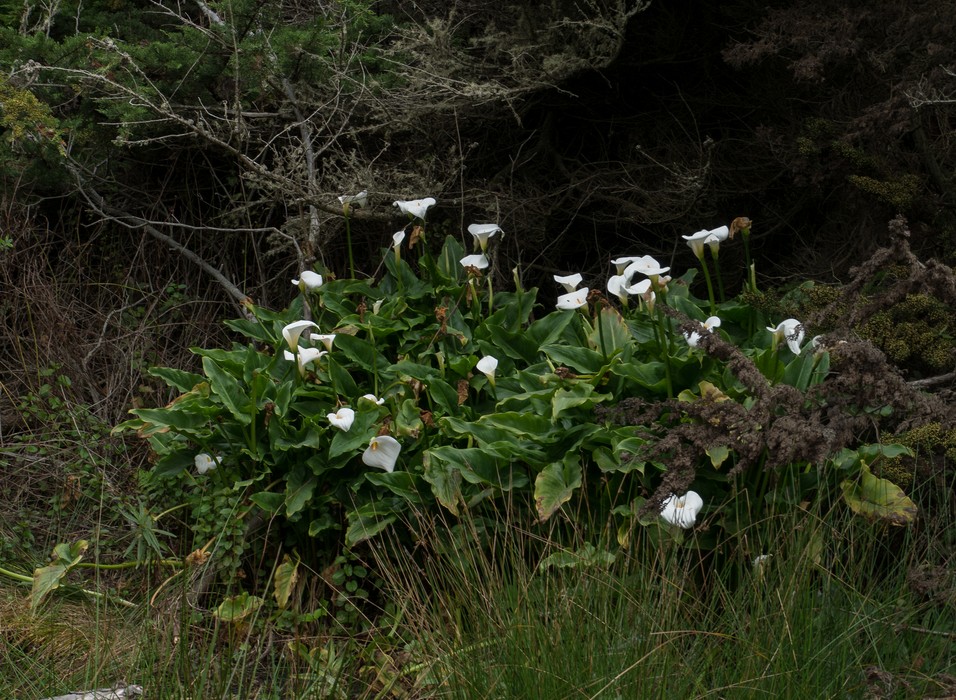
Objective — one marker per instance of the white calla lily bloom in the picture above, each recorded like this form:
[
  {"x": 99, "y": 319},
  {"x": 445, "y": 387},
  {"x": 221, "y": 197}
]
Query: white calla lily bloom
[
  {"x": 325, "y": 338},
  {"x": 354, "y": 200},
  {"x": 373, "y": 398},
  {"x": 295, "y": 329},
  {"x": 573, "y": 300},
  {"x": 382, "y": 452},
  {"x": 397, "y": 239},
  {"x": 709, "y": 325},
  {"x": 569, "y": 282},
  {"x": 645, "y": 265},
  {"x": 617, "y": 286},
  {"x": 477, "y": 261},
  {"x": 620, "y": 264},
  {"x": 415, "y": 208},
  {"x": 696, "y": 241},
  {"x": 682, "y": 510},
  {"x": 304, "y": 356},
  {"x": 791, "y": 331},
  {"x": 342, "y": 419},
  {"x": 482, "y": 232},
  {"x": 205, "y": 462},
  {"x": 308, "y": 280},
  {"x": 487, "y": 366}
]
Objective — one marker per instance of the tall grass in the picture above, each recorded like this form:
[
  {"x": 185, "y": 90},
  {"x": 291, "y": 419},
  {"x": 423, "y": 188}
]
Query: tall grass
[{"x": 828, "y": 615}]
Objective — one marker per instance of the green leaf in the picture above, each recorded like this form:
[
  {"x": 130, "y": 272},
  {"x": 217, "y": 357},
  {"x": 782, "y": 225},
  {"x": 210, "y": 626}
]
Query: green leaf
[
  {"x": 718, "y": 455},
  {"x": 549, "y": 329},
  {"x": 616, "y": 334},
  {"x": 555, "y": 485},
  {"x": 361, "y": 352},
  {"x": 515, "y": 344},
  {"x": 367, "y": 521},
  {"x": 287, "y": 573},
  {"x": 48, "y": 578},
  {"x": 878, "y": 499},
  {"x": 401, "y": 483},
  {"x": 184, "y": 381},
  {"x": 269, "y": 501},
  {"x": 160, "y": 420},
  {"x": 238, "y": 607},
  {"x": 173, "y": 464},
  {"x": 587, "y": 556},
  {"x": 650, "y": 375},
  {"x": 298, "y": 492},
  {"x": 445, "y": 481},
  {"x": 341, "y": 378},
  {"x": 581, "y": 359},
  {"x": 227, "y": 388}
]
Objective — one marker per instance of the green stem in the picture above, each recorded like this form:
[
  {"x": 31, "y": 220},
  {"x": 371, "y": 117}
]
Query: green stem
[
  {"x": 125, "y": 564},
  {"x": 348, "y": 243},
  {"x": 751, "y": 274},
  {"x": 710, "y": 285},
  {"x": 491, "y": 295},
  {"x": 600, "y": 326},
  {"x": 720, "y": 277},
  {"x": 23, "y": 578},
  {"x": 661, "y": 336}
]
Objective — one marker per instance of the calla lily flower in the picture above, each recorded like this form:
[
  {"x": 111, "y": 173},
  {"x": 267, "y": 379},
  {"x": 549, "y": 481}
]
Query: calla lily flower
[
  {"x": 709, "y": 325},
  {"x": 487, "y": 366},
  {"x": 374, "y": 399},
  {"x": 377, "y": 306},
  {"x": 325, "y": 338},
  {"x": 645, "y": 265},
  {"x": 205, "y": 462},
  {"x": 696, "y": 241},
  {"x": 292, "y": 332},
  {"x": 620, "y": 264},
  {"x": 342, "y": 419},
  {"x": 569, "y": 282},
  {"x": 397, "y": 239},
  {"x": 573, "y": 300},
  {"x": 477, "y": 261},
  {"x": 382, "y": 452},
  {"x": 415, "y": 208},
  {"x": 304, "y": 356},
  {"x": 643, "y": 290},
  {"x": 790, "y": 330},
  {"x": 482, "y": 232},
  {"x": 616, "y": 285},
  {"x": 682, "y": 510},
  {"x": 354, "y": 200},
  {"x": 308, "y": 280}
]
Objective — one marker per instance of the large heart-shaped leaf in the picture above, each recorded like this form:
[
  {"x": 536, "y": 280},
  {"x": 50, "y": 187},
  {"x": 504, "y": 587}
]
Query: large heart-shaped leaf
[
  {"x": 876, "y": 498},
  {"x": 555, "y": 485}
]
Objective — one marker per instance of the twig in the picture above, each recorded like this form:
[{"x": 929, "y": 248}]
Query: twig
[{"x": 933, "y": 381}]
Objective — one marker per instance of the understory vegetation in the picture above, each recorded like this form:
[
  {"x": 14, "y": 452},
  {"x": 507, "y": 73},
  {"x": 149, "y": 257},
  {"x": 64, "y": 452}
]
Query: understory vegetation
[{"x": 569, "y": 425}]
